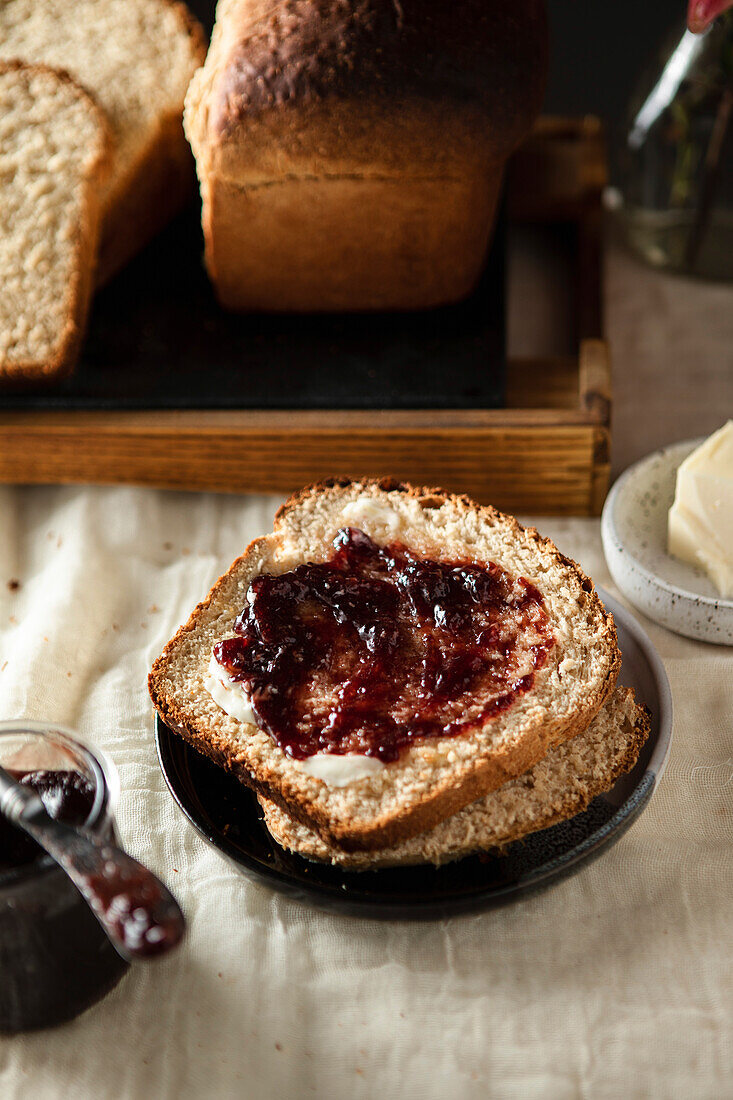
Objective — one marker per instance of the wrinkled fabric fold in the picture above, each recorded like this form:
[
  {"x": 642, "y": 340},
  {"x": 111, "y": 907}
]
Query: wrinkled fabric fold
[{"x": 615, "y": 982}]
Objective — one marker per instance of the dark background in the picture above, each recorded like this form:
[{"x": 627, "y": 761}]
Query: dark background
[{"x": 598, "y": 48}]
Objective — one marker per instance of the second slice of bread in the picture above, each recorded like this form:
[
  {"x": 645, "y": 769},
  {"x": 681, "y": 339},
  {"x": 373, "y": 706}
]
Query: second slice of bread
[
  {"x": 432, "y": 780},
  {"x": 54, "y": 152},
  {"x": 557, "y": 788}
]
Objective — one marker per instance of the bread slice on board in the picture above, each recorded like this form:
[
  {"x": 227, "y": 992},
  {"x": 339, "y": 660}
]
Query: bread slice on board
[
  {"x": 55, "y": 149},
  {"x": 136, "y": 57},
  {"x": 558, "y": 787},
  {"x": 432, "y": 780}
]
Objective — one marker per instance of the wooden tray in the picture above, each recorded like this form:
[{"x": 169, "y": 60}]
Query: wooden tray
[{"x": 545, "y": 451}]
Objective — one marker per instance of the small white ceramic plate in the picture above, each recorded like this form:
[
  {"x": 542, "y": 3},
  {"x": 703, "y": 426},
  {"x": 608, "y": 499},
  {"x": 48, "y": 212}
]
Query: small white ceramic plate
[{"x": 634, "y": 531}]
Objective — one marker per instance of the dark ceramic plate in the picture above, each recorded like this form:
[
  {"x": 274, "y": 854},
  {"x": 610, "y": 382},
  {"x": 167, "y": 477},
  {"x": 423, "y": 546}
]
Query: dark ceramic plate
[{"x": 228, "y": 816}]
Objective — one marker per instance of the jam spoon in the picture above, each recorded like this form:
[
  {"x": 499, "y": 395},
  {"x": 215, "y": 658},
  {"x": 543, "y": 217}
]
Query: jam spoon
[{"x": 139, "y": 914}]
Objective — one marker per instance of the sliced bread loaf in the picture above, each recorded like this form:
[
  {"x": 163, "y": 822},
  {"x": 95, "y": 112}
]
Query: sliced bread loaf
[
  {"x": 433, "y": 778},
  {"x": 54, "y": 154},
  {"x": 558, "y": 787},
  {"x": 136, "y": 57}
]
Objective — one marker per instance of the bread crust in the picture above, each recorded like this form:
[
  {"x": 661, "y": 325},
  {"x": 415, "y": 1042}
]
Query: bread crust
[
  {"x": 352, "y": 86},
  {"x": 154, "y": 193},
  {"x": 17, "y": 374},
  {"x": 387, "y": 123},
  {"x": 437, "y": 798},
  {"x": 248, "y": 233},
  {"x": 468, "y": 832},
  {"x": 159, "y": 185}
]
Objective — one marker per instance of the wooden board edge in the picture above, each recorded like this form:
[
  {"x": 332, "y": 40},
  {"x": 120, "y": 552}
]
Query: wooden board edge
[
  {"x": 559, "y": 171},
  {"x": 521, "y": 469}
]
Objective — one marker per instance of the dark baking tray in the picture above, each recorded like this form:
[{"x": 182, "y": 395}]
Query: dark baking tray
[{"x": 157, "y": 339}]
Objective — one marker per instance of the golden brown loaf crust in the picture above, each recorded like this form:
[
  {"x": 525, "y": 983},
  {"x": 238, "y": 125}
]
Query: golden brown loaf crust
[
  {"x": 472, "y": 71},
  {"x": 432, "y": 781},
  {"x": 359, "y": 117}
]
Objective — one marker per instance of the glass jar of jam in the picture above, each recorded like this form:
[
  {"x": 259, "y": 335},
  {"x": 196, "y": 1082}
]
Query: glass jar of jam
[{"x": 55, "y": 960}]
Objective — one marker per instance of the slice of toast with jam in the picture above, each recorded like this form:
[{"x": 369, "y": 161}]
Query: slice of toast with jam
[{"x": 385, "y": 657}]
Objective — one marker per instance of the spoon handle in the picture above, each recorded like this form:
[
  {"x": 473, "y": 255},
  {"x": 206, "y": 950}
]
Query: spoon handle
[
  {"x": 138, "y": 913},
  {"x": 16, "y": 801}
]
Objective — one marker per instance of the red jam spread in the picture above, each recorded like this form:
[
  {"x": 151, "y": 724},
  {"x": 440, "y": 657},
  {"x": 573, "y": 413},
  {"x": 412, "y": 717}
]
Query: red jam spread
[
  {"x": 378, "y": 648},
  {"x": 67, "y": 796}
]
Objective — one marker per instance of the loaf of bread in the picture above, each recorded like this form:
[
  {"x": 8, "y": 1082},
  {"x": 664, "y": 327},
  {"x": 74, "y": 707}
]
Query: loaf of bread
[
  {"x": 55, "y": 154},
  {"x": 434, "y": 777},
  {"x": 350, "y": 154},
  {"x": 136, "y": 57},
  {"x": 557, "y": 788}
]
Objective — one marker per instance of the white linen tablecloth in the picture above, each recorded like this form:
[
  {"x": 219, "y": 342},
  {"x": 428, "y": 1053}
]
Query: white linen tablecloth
[{"x": 616, "y": 982}]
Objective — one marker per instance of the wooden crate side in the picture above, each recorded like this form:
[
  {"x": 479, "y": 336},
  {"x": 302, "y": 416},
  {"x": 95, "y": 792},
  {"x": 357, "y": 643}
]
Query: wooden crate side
[
  {"x": 600, "y": 470},
  {"x": 594, "y": 382},
  {"x": 559, "y": 171},
  {"x": 542, "y": 468}
]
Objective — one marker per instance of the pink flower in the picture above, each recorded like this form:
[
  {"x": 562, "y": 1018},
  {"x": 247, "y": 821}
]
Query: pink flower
[{"x": 701, "y": 13}]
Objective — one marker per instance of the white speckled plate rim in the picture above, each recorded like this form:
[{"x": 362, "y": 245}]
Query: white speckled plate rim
[{"x": 676, "y": 453}]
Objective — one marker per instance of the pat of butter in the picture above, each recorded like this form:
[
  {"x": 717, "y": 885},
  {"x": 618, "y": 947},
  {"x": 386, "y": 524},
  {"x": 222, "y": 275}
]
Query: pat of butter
[
  {"x": 228, "y": 694},
  {"x": 701, "y": 518},
  {"x": 339, "y": 771},
  {"x": 336, "y": 771},
  {"x": 372, "y": 512}
]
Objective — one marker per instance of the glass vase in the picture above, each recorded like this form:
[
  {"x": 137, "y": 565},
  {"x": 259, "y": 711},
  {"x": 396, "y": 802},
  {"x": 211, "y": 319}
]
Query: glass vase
[{"x": 675, "y": 195}]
